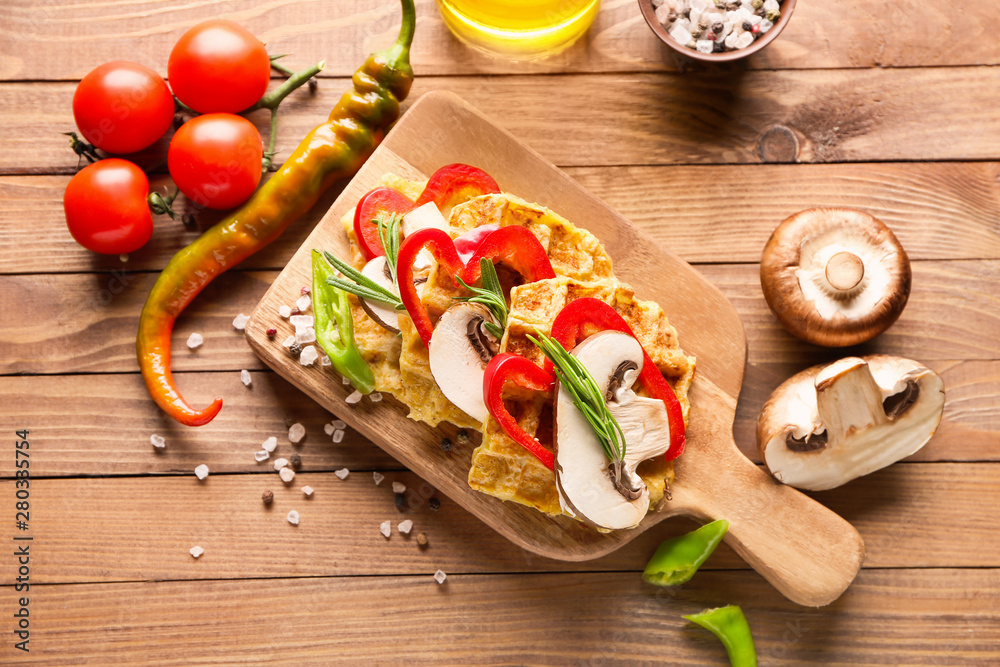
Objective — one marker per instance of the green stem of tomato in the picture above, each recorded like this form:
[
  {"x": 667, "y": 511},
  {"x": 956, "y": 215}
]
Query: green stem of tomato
[{"x": 268, "y": 163}]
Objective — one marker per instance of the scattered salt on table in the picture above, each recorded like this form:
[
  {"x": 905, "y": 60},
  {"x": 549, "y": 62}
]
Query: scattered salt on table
[
  {"x": 339, "y": 424},
  {"x": 385, "y": 528},
  {"x": 280, "y": 463},
  {"x": 245, "y": 377},
  {"x": 286, "y": 474},
  {"x": 328, "y": 429},
  {"x": 197, "y": 551},
  {"x": 262, "y": 455},
  {"x": 308, "y": 490},
  {"x": 440, "y": 576},
  {"x": 324, "y": 360},
  {"x": 303, "y": 303},
  {"x": 355, "y": 397},
  {"x": 240, "y": 322},
  {"x": 288, "y": 341},
  {"x": 296, "y": 432},
  {"x": 157, "y": 441},
  {"x": 285, "y": 311},
  {"x": 342, "y": 473},
  {"x": 338, "y": 435},
  {"x": 378, "y": 477},
  {"x": 307, "y": 335},
  {"x": 293, "y": 517},
  {"x": 201, "y": 471},
  {"x": 309, "y": 354},
  {"x": 398, "y": 487},
  {"x": 345, "y": 380},
  {"x": 405, "y": 527},
  {"x": 194, "y": 341},
  {"x": 375, "y": 397},
  {"x": 270, "y": 444}
]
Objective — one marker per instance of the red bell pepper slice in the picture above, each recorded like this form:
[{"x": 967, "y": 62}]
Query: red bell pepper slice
[
  {"x": 469, "y": 242},
  {"x": 507, "y": 367},
  {"x": 586, "y": 316},
  {"x": 515, "y": 247},
  {"x": 455, "y": 183},
  {"x": 443, "y": 249},
  {"x": 379, "y": 200}
]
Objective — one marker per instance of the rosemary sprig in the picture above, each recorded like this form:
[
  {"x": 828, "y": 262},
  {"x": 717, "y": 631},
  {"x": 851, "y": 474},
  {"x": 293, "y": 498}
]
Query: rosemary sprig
[
  {"x": 587, "y": 396},
  {"x": 388, "y": 233},
  {"x": 489, "y": 295},
  {"x": 362, "y": 287}
]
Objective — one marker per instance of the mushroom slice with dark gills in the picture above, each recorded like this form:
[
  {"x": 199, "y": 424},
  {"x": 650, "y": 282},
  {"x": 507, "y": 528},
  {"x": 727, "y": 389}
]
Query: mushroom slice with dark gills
[
  {"x": 377, "y": 270},
  {"x": 459, "y": 352},
  {"x": 606, "y": 494}
]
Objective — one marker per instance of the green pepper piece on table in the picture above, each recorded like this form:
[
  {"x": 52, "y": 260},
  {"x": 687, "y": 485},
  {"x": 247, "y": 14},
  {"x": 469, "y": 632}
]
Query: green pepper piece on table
[
  {"x": 332, "y": 151},
  {"x": 335, "y": 327},
  {"x": 731, "y": 627},
  {"x": 677, "y": 559}
]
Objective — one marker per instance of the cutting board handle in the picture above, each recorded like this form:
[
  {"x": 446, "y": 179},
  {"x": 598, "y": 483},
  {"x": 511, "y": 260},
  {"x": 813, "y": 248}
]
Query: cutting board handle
[{"x": 809, "y": 553}]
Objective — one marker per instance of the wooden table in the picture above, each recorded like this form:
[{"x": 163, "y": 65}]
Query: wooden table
[{"x": 889, "y": 107}]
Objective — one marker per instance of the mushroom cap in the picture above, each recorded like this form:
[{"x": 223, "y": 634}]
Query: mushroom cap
[
  {"x": 878, "y": 409},
  {"x": 377, "y": 270},
  {"x": 458, "y": 354},
  {"x": 809, "y": 272}
]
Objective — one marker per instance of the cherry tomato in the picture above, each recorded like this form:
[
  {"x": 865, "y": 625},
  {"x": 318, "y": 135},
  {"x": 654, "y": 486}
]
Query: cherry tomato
[
  {"x": 123, "y": 107},
  {"x": 106, "y": 207},
  {"x": 219, "y": 66},
  {"x": 215, "y": 159}
]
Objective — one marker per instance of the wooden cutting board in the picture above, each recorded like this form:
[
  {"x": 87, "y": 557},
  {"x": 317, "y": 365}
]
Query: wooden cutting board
[{"x": 806, "y": 551}]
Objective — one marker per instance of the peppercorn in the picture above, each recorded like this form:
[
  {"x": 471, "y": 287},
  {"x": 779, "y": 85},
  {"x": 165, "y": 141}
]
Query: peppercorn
[
  {"x": 434, "y": 504},
  {"x": 747, "y": 26},
  {"x": 696, "y": 32},
  {"x": 462, "y": 438},
  {"x": 755, "y": 29},
  {"x": 272, "y": 332},
  {"x": 757, "y": 4},
  {"x": 296, "y": 461},
  {"x": 446, "y": 444},
  {"x": 672, "y": 16},
  {"x": 772, "y": 15},
  {"x": 703, "y": 24},
  {"x": 267, "y": 497},
  {"x": 295, "y": 349},
  {"x": 421, "y": 540},
  {"x": 401, "y": 501},
  {"x": 717, "y": 28},
  {"x": 718, "y": 47},
  {"x": 711, "y": 36},
  {"x": 686, "y": 13}
]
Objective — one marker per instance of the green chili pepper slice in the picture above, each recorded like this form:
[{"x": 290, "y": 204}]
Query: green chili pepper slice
[
  {"x": 731, "y": 627},
  {"x": 335, "y": 327},
  {"x": 677, "y": 559}
]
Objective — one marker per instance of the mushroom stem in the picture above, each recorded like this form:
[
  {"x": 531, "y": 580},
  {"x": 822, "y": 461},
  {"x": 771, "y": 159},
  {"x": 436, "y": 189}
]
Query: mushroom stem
[
  {"x": 848, "y": 399},
  {"x": 844, "y": 271}
]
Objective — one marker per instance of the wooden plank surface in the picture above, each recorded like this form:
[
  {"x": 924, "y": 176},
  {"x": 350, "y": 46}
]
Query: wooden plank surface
[
  {"x": 938, "y": 211},
  {"x": 76, "y": 37},
  {"x": 698, "y": 118},
  {"x": 894, "y": 617}
]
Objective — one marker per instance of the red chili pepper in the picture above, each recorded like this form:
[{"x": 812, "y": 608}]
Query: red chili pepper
[
  {"x": 443, "y": 249},
  {"x": 507, "y": 367},
  {"x": 379, "y": 200},
  {"x": 517, "y": 248},
  {"x": 586, "y": 316},
  {"x": 455, "y": 183}
]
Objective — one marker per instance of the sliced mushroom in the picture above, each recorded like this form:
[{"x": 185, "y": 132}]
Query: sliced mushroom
[
  {"x": 835, "y": 277},
  {"x": 377, "y": 270},
  {"x": 459, "y": 352},
  {"x": 597, "y": 491},
  {"x": 830, "y": 424}
]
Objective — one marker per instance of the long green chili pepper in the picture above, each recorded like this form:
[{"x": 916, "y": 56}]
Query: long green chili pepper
[
  {"x": 335, "y": 327},
  {"x": 332, "y": 151},
  {"x": 677, "y": 559},
  {"x": 731, "y": 627}
]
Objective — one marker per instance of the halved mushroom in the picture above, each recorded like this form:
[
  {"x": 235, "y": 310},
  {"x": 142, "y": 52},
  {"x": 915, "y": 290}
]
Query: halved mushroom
[
  {"x": 835, "y": 277},
  {"x": 459, "y": 352},
  {"x": 600, "y": 492},
  {"x": 377, "y": 270},
  {"x": 830, "y": 424}
]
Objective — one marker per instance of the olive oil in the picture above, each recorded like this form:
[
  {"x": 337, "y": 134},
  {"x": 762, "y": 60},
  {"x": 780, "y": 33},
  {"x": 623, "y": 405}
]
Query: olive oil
[{"x": 520, "y": 29}]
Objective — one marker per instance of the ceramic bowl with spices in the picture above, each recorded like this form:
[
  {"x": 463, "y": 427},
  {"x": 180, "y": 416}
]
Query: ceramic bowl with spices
[{"x": 717, "y": 30}]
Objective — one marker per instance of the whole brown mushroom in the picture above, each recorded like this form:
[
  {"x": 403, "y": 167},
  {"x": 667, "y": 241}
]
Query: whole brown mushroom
[{"x": 835, "y": 277}]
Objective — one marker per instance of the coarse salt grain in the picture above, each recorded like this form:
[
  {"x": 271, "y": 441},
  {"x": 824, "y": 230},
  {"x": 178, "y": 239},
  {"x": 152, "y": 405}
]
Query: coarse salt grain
[
  {"x": 262, "y": 455},
  {"x": 338, "y": 435},
  {"x": 293, "y": 517},
  {"x": 245, "y": 377},
  {"x": 440, "y": 576},
  {"x": 194, "y": 341},
  {"x": 302, "y": 322},
  {"x": 375, "y": 397},
  {"x": 355, "y": 397},
  {"x": 308, "y": 490},
  {"x": 398, "y": 487},
  {"x": 405, "y": 527},
  {"x": 344, "y": 380},
  {"x": 285, "y": 311},
  {"x": 240, "y": 322},
  {"x": 201, "y": 471},
  {"x": 309, "y": 355},
  {"x": 288, "y": 341},
  {"x": 339, "y": 424},
  {"x": 303, "y": 303},
  {"x": 197, "y": 551},
  {"x": 324, "y": 360},
  {"x": 328, "y": 429},
  {"x": 280, "y": 463},
  {"x": 342, "y": 473},
  {"x": 296, "y": 432},
  {"x": 307, "y": 335},
  {"x": 157, "y": 441},
  {"x": 286, "y": 475},
  {"x": 270, "y": 444},
  {"x": 378, "y": 477},
  {"x": 385, "y": 528}
]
